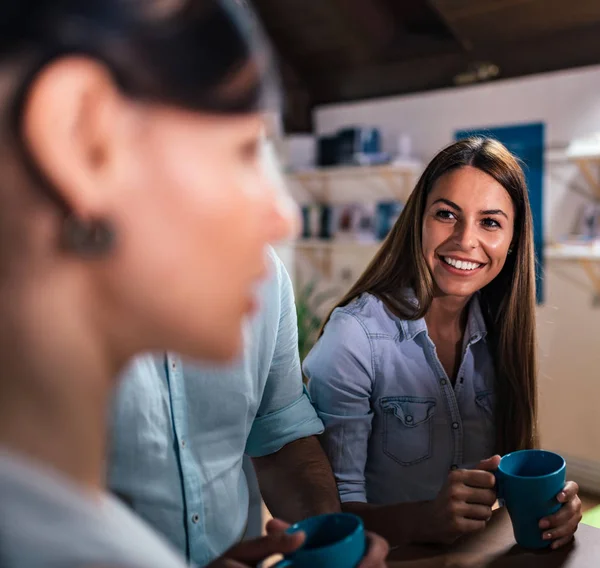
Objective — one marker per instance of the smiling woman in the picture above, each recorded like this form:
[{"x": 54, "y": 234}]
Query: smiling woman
[
  {"x": 470, "y": 205},
  {"x": 427, "y": 367}
]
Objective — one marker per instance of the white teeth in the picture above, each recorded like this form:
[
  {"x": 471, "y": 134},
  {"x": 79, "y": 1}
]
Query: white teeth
[{"x": 460, "y": 264}]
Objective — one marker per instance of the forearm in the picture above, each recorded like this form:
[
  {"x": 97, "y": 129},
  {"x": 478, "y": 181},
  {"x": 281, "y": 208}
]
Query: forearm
[
  {"x": 297, "y": 482},
  {"x": 399, "y": 524}
]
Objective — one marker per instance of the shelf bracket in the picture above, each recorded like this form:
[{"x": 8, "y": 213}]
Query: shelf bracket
[
  {"x": 398, "y": 187},
  {"x": 592, "y": 273},
  {"x": 588, "y": 174}
]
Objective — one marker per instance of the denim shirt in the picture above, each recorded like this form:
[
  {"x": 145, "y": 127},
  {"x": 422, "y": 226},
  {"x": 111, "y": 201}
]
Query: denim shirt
[
  {"x": 180, "y": 429},
  {"x": 395, "y": 424}
]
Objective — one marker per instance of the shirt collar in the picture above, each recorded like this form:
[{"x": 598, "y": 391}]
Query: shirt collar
[
  {"x": 475, "y": 330},
  {"x": 411, "y": 328}
]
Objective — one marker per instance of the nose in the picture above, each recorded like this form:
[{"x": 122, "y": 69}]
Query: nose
[
  {"x": 282, "y": 218},
  {"x": 465, "y": 235}
]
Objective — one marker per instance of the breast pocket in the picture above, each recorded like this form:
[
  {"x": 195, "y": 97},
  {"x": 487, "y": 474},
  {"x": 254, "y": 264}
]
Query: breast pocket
[{"x": 407, "y": 436}]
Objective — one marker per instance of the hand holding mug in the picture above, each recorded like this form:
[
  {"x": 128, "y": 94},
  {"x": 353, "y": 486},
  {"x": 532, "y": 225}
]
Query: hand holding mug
[
  {"x": 464, "y": 505},
  {"x": 545, "y": 510},
  {"x": 281, "y": 542},
  {"x": 377, "y": 548},
  {"x": 253, "y": 552},
  {"x": 561, "y": 526}
]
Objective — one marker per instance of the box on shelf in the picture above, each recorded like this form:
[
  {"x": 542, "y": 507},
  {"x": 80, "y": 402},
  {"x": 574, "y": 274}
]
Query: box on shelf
[{"x": 364, "y": 222}]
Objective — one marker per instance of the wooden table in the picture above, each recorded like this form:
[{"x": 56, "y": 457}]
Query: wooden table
[{"x": 496, "y": 548}]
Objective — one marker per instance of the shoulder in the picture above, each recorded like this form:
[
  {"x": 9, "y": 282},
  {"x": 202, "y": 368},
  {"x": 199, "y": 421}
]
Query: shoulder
[
  {"x": 277, "y": 283},
  {"x": 347, "y": 340},
  {"x": 275, "y": 293},
  {"x": 371, "y": 314}
]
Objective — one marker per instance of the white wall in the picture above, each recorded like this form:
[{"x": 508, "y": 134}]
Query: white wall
[{"x": 569, "y": 326}]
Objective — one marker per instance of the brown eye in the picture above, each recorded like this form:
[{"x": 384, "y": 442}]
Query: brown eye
[
  {"x": 489, "y": 223},
  {"x": 445, "y": 215}
]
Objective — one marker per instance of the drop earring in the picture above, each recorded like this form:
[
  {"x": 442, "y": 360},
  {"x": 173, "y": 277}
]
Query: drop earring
[{"x": 89, "y": 239}]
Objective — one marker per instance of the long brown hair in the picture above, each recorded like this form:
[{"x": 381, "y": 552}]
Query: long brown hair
[{"x": 507, "y": 302}]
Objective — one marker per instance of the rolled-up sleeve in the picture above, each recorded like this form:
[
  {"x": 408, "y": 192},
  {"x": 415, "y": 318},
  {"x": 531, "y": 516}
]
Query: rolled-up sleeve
[
  {"x": 285, "y": 413},
  {"x": 340, "y": 373}
]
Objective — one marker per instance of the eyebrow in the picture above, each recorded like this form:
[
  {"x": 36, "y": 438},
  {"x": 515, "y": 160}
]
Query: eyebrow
[{"x": 457, "y": 208}]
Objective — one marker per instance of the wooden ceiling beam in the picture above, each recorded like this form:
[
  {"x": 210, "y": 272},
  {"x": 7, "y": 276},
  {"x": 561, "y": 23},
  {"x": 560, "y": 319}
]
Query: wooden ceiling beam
[
  {"x": 482, "y": 22},
  {"x": 464, "y": 42},
  {"x": 366, "y": 25},
  {"x": 573, "y": 48}
]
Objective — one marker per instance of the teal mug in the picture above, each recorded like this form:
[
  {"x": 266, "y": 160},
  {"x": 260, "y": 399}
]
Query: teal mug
[
  {"x": 336, "y": 540},
  {"x": 528, "y": 482}
]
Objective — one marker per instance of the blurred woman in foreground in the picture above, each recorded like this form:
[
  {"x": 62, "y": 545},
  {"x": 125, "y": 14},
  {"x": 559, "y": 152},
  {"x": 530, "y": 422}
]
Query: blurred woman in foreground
[{"x": 133, "y": 217}]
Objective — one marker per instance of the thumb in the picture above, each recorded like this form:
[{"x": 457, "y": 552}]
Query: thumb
[
  {"x": 489, "y": 464},
  {"x": 257, "y": 550},
  {"x": 276, "y": 526}
]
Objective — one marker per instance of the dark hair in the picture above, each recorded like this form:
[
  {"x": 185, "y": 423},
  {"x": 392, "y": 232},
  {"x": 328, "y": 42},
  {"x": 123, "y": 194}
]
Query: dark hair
[
  {"x": 205, "y": 55},
  {"x": 184, "y": 52},
  {"x": 507, "y": 302}
]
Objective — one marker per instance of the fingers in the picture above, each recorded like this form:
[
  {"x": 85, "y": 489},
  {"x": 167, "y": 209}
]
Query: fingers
[
  {"x": 377, "y": 552},
  {"x": 570, "y": 490},
  {"x": 256, "y": 550},
  {"x": 475, "y": 512},
  {"x": 276, "y": 526},
  {"x": 470, "y": 491},
  {"x": 562, "y": 535},
  {"x": 485, "y": 497},
  {"x": 567, "y": 513},
  {"x": 490, "y": 464},
  {"x": 474, "y": 478},
  {"x": 561, "y": 526}
]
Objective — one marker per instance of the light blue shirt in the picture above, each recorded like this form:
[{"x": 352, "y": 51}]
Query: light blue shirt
[
  {"x": 180, "y": 430},
  {"x": 49, "y": 521},
  {"x": 395, "y": 425}
]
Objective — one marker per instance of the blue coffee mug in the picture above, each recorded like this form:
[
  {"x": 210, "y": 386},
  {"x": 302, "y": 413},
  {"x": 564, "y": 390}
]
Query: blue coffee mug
[
  {"x": 336, "y": 540},
  {"x": 528, "y": 481}
]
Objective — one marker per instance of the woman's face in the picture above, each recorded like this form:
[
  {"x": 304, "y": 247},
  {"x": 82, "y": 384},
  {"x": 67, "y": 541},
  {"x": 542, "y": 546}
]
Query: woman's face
[
  {"x": 195, "y": 214},
  {"x": 467, "y": 231}
]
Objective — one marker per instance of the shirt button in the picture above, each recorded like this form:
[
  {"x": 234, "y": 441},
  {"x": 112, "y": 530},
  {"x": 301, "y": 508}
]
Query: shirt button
[
  {"x": 455, "y": 425},
  {"x": 409, "y": 418},
  {"x": 195, "y": 518},
  {"x": 443, "y": 382},
  {"x": 183, "y": 443}
]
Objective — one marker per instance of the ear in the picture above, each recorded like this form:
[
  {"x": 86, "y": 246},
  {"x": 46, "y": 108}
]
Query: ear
[{"x": 68, "y": 127}]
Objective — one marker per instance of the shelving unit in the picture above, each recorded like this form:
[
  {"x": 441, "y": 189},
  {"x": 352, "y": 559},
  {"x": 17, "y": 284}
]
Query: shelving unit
[
  {"x": 587, "y": 256},
  {"x": 370, "y": 183},
  {"x": 590, "y": 168},
  {"x": 319, "y": 253},
  {"x": 398, "y": 178},
  {"x": 585, "y": 153}
]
